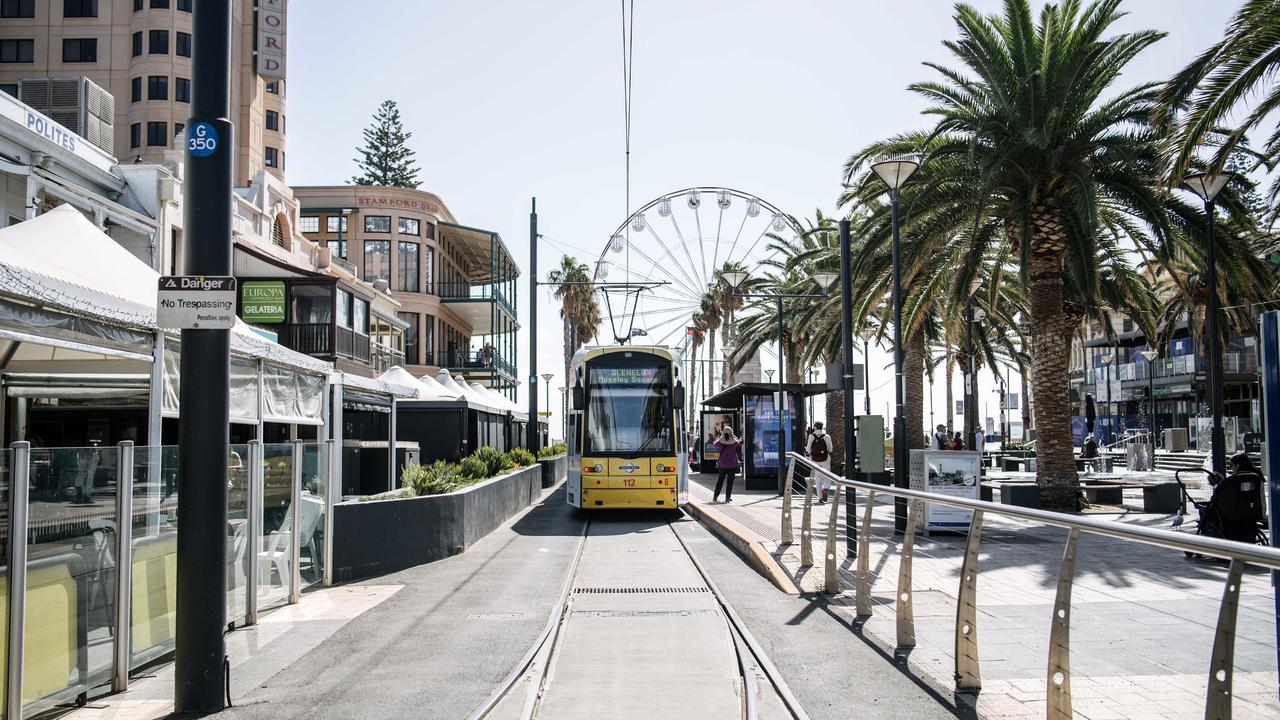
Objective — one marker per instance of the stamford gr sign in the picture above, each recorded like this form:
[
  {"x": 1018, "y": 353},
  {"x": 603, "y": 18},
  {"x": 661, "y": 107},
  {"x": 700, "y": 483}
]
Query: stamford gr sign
[{"x": 271, "y": 29}]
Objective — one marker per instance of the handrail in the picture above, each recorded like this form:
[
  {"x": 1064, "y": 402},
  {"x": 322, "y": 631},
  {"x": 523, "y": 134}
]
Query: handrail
[{"x": 1058, "y": 667}]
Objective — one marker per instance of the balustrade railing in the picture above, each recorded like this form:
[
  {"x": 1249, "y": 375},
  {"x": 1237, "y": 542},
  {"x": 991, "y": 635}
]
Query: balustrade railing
[
  {"x": 967, "y": 670},
  {"x": 92, "y": 556}
]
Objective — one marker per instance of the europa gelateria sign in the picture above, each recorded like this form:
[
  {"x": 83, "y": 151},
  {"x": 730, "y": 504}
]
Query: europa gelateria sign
[{"x": 262, "y": 301}]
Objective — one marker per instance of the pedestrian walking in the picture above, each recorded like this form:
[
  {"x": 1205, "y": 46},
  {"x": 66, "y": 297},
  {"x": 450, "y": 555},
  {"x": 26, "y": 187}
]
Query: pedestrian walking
[
  {"x": 940, "y": 439},
  {"x": 979, "y": 439},
  {"x": 819, "y": 450},
  {"x": 727, "y": 463}
]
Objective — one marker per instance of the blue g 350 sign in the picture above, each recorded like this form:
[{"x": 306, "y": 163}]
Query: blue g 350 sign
[{"x": 202, "y": 140}]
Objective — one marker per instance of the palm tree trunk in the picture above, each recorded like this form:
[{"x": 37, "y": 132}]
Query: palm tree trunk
[
  {"x": 835, "y": 430},
  {"x": 913, "y": 369},
  {"x": 711, "y": 355},
  {"x": 1026, "y": 403},
  {"x": 1051, "y": 353}
]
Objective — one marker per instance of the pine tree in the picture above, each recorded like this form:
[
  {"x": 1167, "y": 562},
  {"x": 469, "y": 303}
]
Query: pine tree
[{"x": 388, "y": 160}]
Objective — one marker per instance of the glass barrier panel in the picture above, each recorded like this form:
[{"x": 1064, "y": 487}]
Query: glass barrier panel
[
  {"x": 237, "y": 532},
  {"x": 315, "y": 484},
  {"x": 275, "y": 544},
  {"x": 71, "y": 573},
  {"x": 155, "y": 553}
]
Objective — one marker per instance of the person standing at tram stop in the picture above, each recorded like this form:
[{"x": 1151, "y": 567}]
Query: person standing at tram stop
[
  {"x": 939, "y": 440},
  {"x": 727, "y": 464},
  {"x": 819, "y": 451}
]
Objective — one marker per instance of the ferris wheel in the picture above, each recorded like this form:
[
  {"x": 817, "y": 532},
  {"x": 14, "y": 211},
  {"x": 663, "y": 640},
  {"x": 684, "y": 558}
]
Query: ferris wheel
[{"x": 656, "y": 266}]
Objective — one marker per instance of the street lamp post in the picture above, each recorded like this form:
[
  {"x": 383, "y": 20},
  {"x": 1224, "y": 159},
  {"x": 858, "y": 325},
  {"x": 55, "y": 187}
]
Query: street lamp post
[
  {"x": 1150, "y": 355},
  {"x": 547, "y": 394},
  {"x": 735, "y": 280},
  {"x": 1106, "y": 360},
  {"x": 1207, "y": 187},
  {"x": 973, "y": 316},
  {"x": 893, "y": 172}
]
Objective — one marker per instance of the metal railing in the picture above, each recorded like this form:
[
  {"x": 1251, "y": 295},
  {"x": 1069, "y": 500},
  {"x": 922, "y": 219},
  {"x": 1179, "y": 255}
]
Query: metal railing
[
  {"x": 968, "y": 677},
  {"x": 114, "y": 546}
]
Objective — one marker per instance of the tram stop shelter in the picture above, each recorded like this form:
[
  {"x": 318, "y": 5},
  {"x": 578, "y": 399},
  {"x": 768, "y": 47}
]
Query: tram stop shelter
[{"x": 753, "y": 405}]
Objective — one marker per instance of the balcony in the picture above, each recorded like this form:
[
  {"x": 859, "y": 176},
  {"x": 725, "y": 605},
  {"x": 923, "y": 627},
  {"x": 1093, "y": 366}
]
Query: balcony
[
  {"x": 385, "y": 358},
  {"x": 466, "y": 291},
  {"x": 315, "y": 339},
  {"x": 472, "y": 362}
]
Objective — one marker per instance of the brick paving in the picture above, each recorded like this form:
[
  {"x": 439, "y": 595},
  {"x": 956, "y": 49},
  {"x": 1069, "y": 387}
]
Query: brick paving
[{"x": 1142, "y": 617}]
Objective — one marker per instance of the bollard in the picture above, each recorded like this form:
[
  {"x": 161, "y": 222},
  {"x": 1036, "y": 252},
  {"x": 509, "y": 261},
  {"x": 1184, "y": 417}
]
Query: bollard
[
  {"x": 788, "y": 535},
  {"x": 806, "y": 524}
]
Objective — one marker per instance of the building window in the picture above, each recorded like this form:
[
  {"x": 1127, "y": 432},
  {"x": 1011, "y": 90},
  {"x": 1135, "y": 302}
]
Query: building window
[
  {"x": 377, "y": 260},
  {"x": 428, "y": 338},
  {"x": 17, "y": 8},
  {"x": 157, "y": 87},
  {"x": 137, "y": 43},
  {"x": 135, "y": 90},
  {"x": 182, "y": 90},
  {"x": 331, "y": 225},
  {"x": 344, "y": 308},
  {"x": 137, "y": 5},
  {"x": 79, "y": 8},
  {"x": 377, "y": 223},
  {"x": 273, "y": 120},
  {"x": 408, "y": 226},
  {"x": 177, "y": 130},
  {"x": 272, "y": 157},
  {"x": 159, "y": 4},
  {"x": 408, "y": 266},
  {"x": 182, "y": 44},
  {"x": 273, "y": 87},
  {"x": 309, "y": 224},
  {"x": 17, "y": 51},
  {"x": 339, "y": 247},
  {"x": 184, "y": 5},
  {"x": 360, "y": 315},
  {"x": 158, "y": 42},
  {"x": 10, "y": 88},
  {"x": 429, "y": 269},
  {"x": 410, "y": 338},
  {"x": 135, "y": 135},
  {"x": 157, "y": 134},
  {"x": 430, "y": 231},
  {"x": 277, "y": 232},
  {"x": 79, "y": 50}
]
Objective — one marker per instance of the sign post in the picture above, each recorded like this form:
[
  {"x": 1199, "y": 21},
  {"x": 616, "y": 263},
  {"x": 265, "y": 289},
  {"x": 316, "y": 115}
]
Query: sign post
[{"x": 203, "y": 401}]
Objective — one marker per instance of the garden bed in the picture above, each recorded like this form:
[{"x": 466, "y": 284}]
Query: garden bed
[
  {"x": 554, "y": 469},
  {"x": 380, "y": 536}
]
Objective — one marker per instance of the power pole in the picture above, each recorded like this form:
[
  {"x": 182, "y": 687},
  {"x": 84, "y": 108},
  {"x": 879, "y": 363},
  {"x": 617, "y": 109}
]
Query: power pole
[
  {"x": 531, "y": 436},
  {"x": 203, "y": 437}
]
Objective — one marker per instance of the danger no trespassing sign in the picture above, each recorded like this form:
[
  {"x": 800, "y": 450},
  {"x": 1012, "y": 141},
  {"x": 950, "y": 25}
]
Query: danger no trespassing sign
[{"x": 196, "y": 302}]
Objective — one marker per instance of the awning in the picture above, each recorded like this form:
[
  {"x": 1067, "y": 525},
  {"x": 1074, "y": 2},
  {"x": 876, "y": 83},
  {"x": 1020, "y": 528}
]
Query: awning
[{"x": 731, "y": 397}]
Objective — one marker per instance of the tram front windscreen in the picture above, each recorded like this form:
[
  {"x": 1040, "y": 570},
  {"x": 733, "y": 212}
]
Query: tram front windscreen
[{"x": 629, "y": 407}]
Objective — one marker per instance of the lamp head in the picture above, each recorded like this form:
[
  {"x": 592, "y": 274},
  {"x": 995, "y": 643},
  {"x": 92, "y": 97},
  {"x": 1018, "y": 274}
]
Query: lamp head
[
  {"x": 893, "y": 170},
  {"x": 1206, "y": 185},
  {"x": 824, "y": 279},
  {"x": 548, "y": 376},
  {"x": 735, "y": 278},
  {"x": 1106, "y": 359},
  {"x": 1150, "y": 355}
]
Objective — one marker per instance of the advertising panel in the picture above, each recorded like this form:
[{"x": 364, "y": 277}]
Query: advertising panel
[{"x": 953, "y": 473}]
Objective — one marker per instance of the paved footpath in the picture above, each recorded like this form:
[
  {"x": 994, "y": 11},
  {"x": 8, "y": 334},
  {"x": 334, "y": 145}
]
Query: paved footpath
[{"x": 1142, "y": 619}]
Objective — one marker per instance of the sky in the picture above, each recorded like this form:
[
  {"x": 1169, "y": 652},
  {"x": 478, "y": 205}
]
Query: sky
[{"x": 509, "y": 100}]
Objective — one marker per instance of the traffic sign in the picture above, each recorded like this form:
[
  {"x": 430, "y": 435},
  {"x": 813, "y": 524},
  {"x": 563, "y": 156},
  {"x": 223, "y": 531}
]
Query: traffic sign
[{"x": 196, "y": 302}]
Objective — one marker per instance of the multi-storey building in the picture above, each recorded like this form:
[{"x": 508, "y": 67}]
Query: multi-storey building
[
  {"x": 456, "y": 285},
  {"x": 140, "y": 52}
]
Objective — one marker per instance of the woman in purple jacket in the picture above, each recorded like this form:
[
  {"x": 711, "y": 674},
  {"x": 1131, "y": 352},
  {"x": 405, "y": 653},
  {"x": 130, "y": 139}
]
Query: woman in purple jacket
[{"x": 728, "y": 463}]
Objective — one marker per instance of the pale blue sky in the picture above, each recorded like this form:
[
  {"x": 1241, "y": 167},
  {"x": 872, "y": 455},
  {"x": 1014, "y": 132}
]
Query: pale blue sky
[{"x": 510, "y": 99}]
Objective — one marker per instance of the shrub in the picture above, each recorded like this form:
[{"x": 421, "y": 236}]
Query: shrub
[
  {"x": 473, "y": 468},
  {"x": 521, "y": 457},
  {"x": 495, "y": 461},
  {"x": 438, "y": 478},
  {"x": 551, "y": 451}
]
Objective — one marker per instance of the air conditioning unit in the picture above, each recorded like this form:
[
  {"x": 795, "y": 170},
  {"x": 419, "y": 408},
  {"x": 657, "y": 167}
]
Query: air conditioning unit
[{"x": 76, "y": 103}]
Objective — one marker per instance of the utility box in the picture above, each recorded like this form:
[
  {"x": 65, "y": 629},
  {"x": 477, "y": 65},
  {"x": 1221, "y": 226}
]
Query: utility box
[
  {"x": 1176, "y": 439},
  {"x": 870, "y": 440}
]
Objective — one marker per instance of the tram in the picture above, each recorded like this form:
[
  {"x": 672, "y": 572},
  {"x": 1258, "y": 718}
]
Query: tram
[{"x": 626, "y": 445}]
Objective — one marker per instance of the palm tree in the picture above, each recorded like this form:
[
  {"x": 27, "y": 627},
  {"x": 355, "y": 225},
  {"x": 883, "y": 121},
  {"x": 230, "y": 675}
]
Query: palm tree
[
  {"x": 1237, "y": 71},
  {"x": 1051, "y": 147},
  {"x": 579, "y": 309}
]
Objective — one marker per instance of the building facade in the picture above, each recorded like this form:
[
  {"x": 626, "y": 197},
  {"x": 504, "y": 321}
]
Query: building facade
[
  {"x": 456, "y": 285},
  {"x": 139, "y": 51}
]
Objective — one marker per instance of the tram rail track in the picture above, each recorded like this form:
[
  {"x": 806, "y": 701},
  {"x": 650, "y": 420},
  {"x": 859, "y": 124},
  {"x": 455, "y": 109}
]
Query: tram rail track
[{"x": 536, "y": 670}]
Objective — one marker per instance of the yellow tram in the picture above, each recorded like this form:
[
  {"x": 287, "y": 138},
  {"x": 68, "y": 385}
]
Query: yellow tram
[{"x": 626, "y": 444}]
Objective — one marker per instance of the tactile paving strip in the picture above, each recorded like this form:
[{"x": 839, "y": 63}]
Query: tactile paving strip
[{"x": 640, "y": 590}]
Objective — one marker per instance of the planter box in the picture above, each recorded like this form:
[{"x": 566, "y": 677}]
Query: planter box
[
  {"x": 383, "y": 536},
  {"x": 554, "y": 470}
]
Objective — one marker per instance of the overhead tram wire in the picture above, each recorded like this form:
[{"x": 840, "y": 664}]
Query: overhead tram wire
[{"x": 628, "y": 50}]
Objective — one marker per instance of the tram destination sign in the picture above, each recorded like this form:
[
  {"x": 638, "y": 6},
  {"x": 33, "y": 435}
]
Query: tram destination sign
[{"x": 196, "y": 302}]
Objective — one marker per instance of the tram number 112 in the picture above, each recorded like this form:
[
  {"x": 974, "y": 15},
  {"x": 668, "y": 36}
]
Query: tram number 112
[{"x": 629, "y": 482}]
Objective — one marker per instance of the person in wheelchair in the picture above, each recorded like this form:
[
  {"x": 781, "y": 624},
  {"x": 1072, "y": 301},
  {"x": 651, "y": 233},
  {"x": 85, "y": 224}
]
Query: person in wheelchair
[{"x": 1234, "y": 510}]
